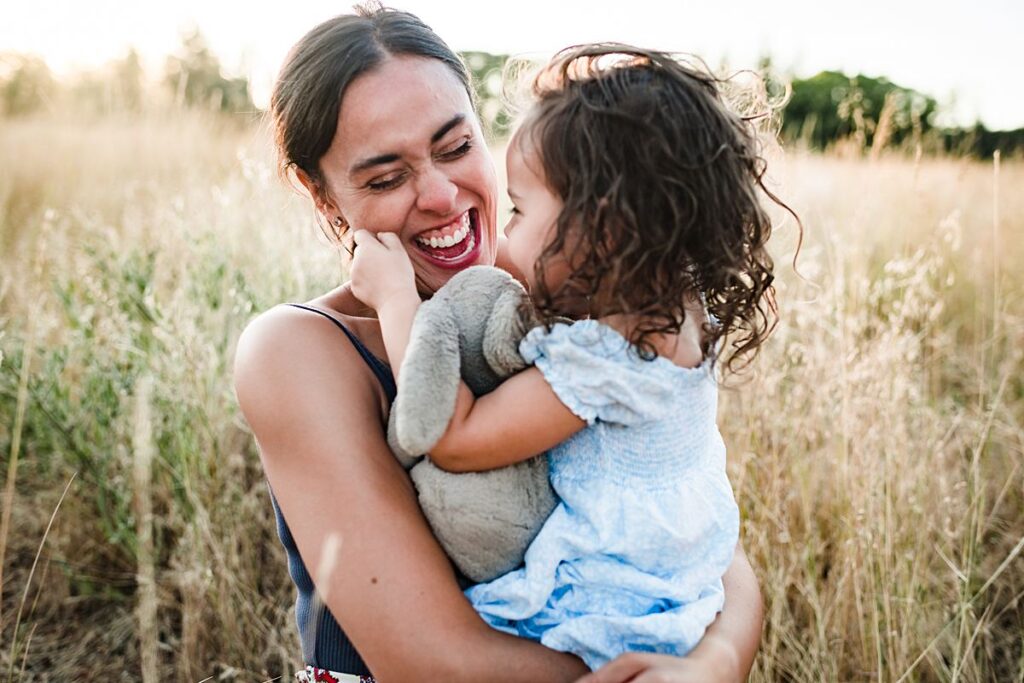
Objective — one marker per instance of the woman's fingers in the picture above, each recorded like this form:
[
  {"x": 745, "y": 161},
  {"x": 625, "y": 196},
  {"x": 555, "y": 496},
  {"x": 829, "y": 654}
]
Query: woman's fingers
[
  {"x": 635, "y": 667},
  {"x": 620, "y": 670}
]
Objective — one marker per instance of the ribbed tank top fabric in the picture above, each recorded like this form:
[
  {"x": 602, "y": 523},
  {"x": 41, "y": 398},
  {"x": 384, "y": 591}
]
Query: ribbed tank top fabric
[{"x": 324, "y": 644}]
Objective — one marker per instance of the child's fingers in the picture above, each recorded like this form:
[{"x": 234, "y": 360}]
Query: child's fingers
[
  {"x": 362, "y": 236},
  {"x": 390, "y": 240}
]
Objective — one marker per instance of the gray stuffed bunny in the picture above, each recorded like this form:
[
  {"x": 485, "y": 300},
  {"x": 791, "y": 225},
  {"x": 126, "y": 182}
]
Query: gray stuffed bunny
[{"x": 469, "y": 329}]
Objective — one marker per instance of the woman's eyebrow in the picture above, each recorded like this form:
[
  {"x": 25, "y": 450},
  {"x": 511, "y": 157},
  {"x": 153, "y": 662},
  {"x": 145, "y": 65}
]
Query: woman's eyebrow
[
  {"x": 382, "y": 159},
  {"x": 373, "y": 161},
  {"x": 443, "y": 130}
]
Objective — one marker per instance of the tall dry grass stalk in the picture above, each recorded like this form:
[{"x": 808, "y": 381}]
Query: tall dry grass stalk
[
  {"x": 25, "y": 647},
  {"x": 880, "y": 443},
  {"x": 876, "y": 449},
  {"x": 14, "y": 454},
  {"x": 146, "y": 593}
]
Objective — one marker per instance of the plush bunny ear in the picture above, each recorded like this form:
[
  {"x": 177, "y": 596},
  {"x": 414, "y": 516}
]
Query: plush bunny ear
[
  {"x": 407, "y": 460},
  {"x": 429, "y": 378},
  {"x": 511, "y": 318}
]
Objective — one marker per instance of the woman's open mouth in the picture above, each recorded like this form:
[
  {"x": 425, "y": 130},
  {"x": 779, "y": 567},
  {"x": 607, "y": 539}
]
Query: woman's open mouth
[{"x": 454, "y": 245}]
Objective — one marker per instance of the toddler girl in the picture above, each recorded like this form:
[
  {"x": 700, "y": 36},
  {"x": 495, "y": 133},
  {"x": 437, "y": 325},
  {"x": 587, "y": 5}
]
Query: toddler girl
[{"x": 638, "y": 228}]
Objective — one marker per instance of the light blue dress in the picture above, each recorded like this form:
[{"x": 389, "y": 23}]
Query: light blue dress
[{"x": 633, "y": 556}]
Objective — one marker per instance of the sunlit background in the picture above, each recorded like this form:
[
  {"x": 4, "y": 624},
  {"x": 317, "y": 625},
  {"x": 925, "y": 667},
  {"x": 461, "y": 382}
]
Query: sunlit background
[
  {"x": 876, "y": 446},
  {"x": 964, "y": 54}
]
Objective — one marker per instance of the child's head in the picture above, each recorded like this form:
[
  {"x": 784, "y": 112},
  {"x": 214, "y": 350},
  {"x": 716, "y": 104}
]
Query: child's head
[{"x": 653, "y": 192}]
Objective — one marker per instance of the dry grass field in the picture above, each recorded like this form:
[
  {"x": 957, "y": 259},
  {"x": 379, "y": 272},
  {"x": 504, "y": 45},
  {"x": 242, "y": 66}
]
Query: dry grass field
[{"x": 876, "y": 447}]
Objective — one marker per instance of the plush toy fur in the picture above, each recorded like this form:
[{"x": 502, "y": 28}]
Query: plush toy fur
[{"x": 469, "y": 329}]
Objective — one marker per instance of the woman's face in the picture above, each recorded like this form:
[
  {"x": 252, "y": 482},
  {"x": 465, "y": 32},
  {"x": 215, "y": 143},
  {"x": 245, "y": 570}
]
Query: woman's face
[{"x": 408, "y": 157}]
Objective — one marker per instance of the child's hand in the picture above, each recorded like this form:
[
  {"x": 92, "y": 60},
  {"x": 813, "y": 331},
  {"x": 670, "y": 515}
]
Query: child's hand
[{"x": 381, "y": 269}]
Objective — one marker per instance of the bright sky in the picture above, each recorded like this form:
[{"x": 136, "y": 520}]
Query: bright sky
[{"x": 966, "y": 54}]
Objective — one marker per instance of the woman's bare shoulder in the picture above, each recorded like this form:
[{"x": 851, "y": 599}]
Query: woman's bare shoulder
[
  {"x": 291, "y": 361},
  {"x": 284, "y": 339}
]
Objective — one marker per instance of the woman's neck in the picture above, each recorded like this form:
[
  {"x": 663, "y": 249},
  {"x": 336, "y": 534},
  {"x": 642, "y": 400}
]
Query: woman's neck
[{"x": 342, "y": 300}]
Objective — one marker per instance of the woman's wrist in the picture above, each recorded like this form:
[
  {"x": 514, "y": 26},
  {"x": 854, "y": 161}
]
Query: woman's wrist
[{"x": 721, "y": 657}]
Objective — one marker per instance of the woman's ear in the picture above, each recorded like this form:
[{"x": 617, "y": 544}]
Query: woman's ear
[{"x": 324, "y": 204}]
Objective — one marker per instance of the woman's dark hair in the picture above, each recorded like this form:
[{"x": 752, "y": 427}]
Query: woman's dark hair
[
  {"x": 320, "y": 67},
  {"x": 659, "y": 182}
]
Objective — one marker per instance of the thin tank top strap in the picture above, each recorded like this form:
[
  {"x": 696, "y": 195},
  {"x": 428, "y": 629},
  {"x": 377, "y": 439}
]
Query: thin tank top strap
[{"x": 379, "y": 368}]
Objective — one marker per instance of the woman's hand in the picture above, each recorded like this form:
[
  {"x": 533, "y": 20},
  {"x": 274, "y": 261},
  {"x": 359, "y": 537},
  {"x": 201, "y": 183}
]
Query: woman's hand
[
  {"x": 381, "y": 270},
  {"x": 636, "y": 667},
  {"x": 725, "y": 653}
]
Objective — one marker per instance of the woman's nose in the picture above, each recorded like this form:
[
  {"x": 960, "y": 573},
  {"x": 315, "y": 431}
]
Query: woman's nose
[{"x": 435, "y": 192}]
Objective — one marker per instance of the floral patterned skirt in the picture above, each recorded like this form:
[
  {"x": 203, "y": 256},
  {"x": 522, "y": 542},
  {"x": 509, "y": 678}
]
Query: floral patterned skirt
[{"x": 312, "y": 674}]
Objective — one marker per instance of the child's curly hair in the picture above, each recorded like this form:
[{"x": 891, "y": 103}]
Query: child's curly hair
[{"x": 660, "y": 185}]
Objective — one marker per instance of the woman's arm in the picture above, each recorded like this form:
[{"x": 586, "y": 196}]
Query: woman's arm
[
  {"x": 725, "y": 653},
  {"x": 317, "y": 414},
  {"x": 736, "y": 634}
]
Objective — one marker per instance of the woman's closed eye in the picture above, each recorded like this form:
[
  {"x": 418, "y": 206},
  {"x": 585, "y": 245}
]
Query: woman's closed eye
[
  {"x": 386, "y": 182},
  {"x": 390, "y": 181},
  {"x": 457, "y": 150}
]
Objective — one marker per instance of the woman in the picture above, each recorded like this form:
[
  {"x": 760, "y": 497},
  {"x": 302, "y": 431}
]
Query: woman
[{"x": 374, "y": 116}]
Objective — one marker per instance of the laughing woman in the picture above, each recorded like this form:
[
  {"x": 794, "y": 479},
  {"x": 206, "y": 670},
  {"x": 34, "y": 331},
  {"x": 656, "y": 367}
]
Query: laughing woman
[{"x": 374, "y": 116}]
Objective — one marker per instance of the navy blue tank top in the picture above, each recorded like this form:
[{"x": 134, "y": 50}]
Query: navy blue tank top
[{"x": 324, "y": 644}]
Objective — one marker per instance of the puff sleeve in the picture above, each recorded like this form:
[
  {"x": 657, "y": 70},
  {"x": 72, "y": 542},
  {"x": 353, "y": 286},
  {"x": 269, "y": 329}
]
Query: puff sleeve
[{"x": 598, "y": 375}]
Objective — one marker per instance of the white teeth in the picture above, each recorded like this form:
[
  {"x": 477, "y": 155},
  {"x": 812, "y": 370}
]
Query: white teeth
[
  {"x": 469, "y": 248},
  {"x": 449, "y": 240},
  {"x": 459, "y": 235}
]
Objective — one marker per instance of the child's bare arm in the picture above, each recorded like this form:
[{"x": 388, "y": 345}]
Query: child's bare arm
[
  {"x": 520, "y": 419},
  {"x": 382, "y": 277}
]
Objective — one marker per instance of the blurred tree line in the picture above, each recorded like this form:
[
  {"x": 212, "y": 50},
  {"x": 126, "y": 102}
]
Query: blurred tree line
[
  {"x": 825, "y": 111},
  {"x": 875, "y": 113},
  {"x": 195, "y": 77},
  {"x": 192, "y": 77}
]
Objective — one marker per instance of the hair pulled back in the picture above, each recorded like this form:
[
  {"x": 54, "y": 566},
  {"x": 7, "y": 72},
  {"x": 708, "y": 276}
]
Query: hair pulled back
[{"x": 309, "y": 89}]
